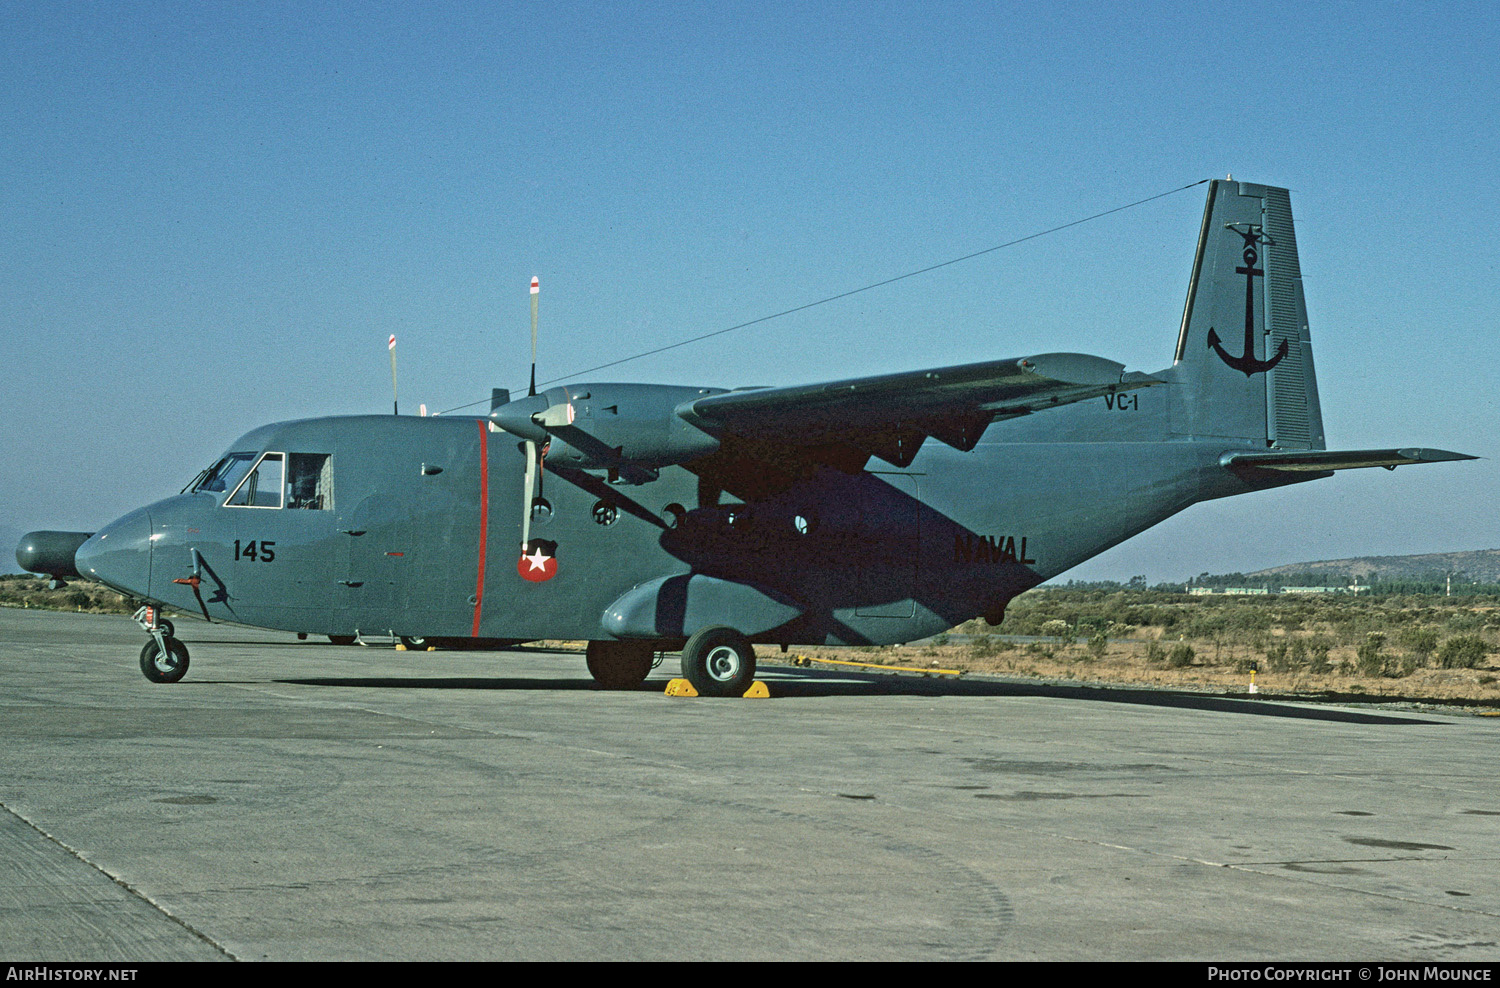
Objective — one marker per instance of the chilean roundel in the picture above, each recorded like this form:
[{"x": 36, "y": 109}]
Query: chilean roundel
[{"x": 538, "y": 563}]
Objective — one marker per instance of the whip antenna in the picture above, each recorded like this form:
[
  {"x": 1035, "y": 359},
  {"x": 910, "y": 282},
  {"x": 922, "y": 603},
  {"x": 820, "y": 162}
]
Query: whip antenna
[
  {"x": 536, "y": 288},
  {"x": 391, "y": 346}
]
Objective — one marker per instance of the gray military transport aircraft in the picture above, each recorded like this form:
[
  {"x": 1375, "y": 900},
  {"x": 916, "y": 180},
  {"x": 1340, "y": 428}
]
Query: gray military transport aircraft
[{"x": 660, "y": 518}]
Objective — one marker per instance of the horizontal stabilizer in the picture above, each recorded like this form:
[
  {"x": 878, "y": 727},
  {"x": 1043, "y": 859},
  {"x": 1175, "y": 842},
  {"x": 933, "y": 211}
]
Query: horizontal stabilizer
[{"x": 1322, "y": 461}]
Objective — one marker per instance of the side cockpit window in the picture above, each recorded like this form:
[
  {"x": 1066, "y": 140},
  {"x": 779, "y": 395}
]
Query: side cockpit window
[
  {"x": 272, "y": 480},
  {"x": 262, "y": 487},
  {"x": 309, "y": 481}
]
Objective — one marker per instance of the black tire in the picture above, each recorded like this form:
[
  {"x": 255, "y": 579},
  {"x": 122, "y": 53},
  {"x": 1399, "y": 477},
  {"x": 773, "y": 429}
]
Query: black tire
[
  {"x": 417, "y": 643},
  {"x": 341, "y": 639},
  {"x": 619, "y": 665},
  {"x": 164, "y": 669},
  {"x": 167, "y": 627},
  {"x": 719, "y": 662}
]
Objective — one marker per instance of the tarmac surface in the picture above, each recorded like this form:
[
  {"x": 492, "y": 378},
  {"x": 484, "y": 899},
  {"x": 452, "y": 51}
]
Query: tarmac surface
[{"x": 300, "y": 801}]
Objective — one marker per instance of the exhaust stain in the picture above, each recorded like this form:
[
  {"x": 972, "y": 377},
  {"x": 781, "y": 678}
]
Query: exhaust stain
[
  {"x": 1031, "y": 797},
  {"x": 1396, "y": 845},
  {"x": 1325, "y": 869}
]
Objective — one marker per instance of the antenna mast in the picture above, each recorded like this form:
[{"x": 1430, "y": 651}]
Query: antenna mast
[
  {"x": 391, "y": 346},
  {"x": 536, "y": 288}
]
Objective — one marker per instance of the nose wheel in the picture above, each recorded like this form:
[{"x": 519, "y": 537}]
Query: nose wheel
[
  {"x": 164, "y": 659},
  {"x": 164, "y": 664}
]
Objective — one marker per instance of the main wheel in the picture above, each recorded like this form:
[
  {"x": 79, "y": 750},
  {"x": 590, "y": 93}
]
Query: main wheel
[
  {"x": 619, "y": 665},
  {"x": 341, "y": 639},
  {"x": 719, "y": 662},
  {"x": 167, "y": 628},
  {"x": 417, "y": 643},
  {"x": 166, "y": 667}
]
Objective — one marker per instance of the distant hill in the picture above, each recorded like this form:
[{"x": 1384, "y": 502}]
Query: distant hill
[{"x": 1479, "y": 565}]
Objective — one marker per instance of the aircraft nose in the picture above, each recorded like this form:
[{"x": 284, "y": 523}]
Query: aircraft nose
[{"x": 119, "y": 554}]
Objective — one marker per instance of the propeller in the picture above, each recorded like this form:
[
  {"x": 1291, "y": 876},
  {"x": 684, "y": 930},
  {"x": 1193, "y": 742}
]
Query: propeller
[
  {"x": 533, "y": 455},
  {"x": 534, "y": 564}
]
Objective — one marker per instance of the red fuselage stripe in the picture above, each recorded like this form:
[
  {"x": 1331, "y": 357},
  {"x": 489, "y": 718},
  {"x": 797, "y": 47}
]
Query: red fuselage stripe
[{"x": 484, "y": 518}]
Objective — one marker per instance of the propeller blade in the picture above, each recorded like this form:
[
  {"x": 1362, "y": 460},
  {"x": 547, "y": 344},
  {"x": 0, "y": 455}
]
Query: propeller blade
[
  {"x": 529, "y": 493},
  {"x": 536, "y": 287}
]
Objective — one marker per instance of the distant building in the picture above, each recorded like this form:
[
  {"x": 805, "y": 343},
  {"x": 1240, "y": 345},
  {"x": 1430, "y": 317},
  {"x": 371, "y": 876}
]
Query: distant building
[
  {"x": 1247, "y": 591},
  {"x": 1356, "y": 588}
]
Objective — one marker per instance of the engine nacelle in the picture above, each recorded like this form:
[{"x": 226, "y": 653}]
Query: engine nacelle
[{"x": 631, "y": 429}]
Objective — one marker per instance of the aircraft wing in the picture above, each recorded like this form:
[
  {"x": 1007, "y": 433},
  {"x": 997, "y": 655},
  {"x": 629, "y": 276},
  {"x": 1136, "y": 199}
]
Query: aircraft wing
[
  {"x": 890, "y": 415},
  {"x": 1326, "y": 460}
]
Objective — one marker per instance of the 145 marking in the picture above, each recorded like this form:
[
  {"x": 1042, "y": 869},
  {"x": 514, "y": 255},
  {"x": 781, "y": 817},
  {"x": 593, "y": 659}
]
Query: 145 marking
[{"x": 261, "y": 551}]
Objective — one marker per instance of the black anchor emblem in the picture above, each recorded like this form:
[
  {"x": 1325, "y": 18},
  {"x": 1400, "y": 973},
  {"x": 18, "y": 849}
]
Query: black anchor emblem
[{"x": 1246, "y": 362}]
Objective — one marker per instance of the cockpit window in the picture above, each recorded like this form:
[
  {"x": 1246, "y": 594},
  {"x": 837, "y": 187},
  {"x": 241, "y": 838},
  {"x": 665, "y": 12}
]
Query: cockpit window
[
  {"x": 271, "y": 480},
  {"x": 309, "y": 481},
  {"x": 262, "y": 488},
  {"x": 225, "y": 474}
]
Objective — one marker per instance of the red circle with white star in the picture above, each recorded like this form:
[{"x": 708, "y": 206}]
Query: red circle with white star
[{"x": 537, "y": 566}]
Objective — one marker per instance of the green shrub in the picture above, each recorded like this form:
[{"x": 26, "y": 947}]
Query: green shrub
[
  {"x": 1463, "y": 652},
  {"x": 1180, "y": 656},
  {"x": 1370, "y": 661},
  {"x": 1318, "y": 648},
  {"x": 1420, "y": 643},
  {"x": 1058, "y": 629}
]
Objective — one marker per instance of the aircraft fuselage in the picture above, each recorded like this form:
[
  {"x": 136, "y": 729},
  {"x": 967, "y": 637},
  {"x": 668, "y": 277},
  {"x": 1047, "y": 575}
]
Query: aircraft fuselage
[{"x": 420, "y": 535}]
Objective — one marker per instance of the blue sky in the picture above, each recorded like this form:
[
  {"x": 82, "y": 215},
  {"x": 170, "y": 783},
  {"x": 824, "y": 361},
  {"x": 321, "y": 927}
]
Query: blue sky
[{"x": 215, "y": 214}]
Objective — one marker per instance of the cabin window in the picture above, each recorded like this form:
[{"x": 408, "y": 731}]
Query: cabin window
[
  {"x": 262, "y": 488},
  {"x": 309, "y": 481}
]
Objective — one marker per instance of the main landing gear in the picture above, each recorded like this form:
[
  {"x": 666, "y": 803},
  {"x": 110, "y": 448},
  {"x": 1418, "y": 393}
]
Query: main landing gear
[
  {"x": 620, "y": 665},
  {"x": 164, "y": 659},
  {"x": 719, "y": 662},
  {"x": 716, "y": 661}
]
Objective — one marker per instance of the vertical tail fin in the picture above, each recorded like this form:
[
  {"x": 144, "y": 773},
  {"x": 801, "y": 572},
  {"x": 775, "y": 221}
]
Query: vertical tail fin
[{"x": 1244, "y": 367}]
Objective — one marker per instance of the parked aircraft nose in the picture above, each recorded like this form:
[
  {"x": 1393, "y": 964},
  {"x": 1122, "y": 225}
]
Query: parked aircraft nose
[
  {"x": 119, "y": 555},
  {"x": 51, "y": 553}
]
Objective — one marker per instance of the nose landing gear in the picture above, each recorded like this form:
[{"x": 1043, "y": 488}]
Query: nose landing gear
[{"x": 164, "y": 659}]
